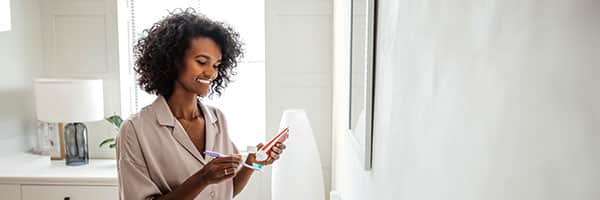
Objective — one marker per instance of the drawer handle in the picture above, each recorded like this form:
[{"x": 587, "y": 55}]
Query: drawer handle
[{"x": 67, "y": 198}]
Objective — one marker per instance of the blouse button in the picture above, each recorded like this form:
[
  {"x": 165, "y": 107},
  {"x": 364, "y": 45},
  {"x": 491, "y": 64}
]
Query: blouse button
[{"x": 212, "y": 193}]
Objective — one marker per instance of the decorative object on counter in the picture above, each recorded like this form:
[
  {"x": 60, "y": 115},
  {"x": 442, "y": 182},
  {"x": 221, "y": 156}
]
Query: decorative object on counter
[
  {"x": 116, "y": 122},
  {"x": 42, "y": 143},
  {"x": 301, "y": 157},
  {"x": 73, "y": 101},
  {"x": 50, "y": 140}
]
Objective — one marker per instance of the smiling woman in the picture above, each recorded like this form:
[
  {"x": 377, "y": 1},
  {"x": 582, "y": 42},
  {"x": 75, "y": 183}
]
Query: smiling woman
[
  {"x": 248, "y": 19},
  {"x": 160, "y": 150}
]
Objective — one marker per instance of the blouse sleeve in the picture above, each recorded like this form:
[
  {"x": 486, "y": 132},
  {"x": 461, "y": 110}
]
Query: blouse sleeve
[{"x": 134, "y": 179}]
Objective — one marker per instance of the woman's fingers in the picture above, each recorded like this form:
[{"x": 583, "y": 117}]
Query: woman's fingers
[
  {"x": 274, "y": 155},
  {"x": 225, "y": 170},
  {"x": 220, "y": 169},
  {"x": 229, "y": 159},
  {"x": 277, "y": 150},
  {"x": 279, "y": 147},
  {"x": 224, "y": 166},
  {"x": 230, "y": 171}
]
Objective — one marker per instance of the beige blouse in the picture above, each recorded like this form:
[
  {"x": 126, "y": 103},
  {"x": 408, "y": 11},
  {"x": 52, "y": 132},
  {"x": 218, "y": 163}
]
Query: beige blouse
[{"x": 155, "y": 154}]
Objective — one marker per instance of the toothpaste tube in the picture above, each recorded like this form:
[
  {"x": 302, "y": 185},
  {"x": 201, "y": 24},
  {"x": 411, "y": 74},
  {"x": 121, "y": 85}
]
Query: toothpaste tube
[{"x": 264, "y": 152}]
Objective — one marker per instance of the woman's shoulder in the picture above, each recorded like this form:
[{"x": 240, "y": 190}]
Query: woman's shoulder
[
  {"x": 215, "y": 112},
  {"x": 145, "y": 115},
  {"x": 213, "y": 109}
]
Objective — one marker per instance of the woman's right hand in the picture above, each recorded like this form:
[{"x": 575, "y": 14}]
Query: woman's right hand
[{"x": 220, "y": 169}]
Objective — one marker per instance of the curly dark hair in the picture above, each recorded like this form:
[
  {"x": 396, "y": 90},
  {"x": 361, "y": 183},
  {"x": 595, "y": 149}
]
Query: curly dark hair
[{"x": 160, "y": 52}]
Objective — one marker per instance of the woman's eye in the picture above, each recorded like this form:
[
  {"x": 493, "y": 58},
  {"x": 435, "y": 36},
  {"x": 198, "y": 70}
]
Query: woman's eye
[{"x": 201, "y": 63}]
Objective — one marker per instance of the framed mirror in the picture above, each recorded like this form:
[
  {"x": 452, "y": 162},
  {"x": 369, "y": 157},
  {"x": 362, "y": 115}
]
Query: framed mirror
[{"x": 362, "y": 76}]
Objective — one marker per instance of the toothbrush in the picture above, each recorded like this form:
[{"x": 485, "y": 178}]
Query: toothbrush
[{"x": 257, "y": 167}]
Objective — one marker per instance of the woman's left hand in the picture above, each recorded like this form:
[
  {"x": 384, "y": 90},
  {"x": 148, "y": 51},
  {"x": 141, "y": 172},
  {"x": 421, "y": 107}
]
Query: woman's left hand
[{"x": 276, "y": 152}]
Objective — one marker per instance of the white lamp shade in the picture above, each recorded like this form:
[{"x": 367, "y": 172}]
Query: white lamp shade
[
  {"x": 298, "y": 175},
  {"x": 69, "y": 100},
  {"x": 5, "y": 24}
]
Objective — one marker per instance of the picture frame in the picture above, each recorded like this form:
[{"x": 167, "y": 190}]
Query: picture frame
[
  {"x": 363, "y": 31},
  {"x": 57, "y": 141}
]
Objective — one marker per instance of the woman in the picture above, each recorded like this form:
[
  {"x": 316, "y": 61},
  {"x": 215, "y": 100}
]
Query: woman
[{"x": 160, "y": 150}]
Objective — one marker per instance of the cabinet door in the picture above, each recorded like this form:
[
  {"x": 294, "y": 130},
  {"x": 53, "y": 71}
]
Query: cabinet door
[
  {"x": 49, "y": 192},
  {"x": 10, "y": 191}
]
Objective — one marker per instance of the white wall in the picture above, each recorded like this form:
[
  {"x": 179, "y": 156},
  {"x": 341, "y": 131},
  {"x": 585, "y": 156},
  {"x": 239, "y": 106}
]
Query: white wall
[
  {"x": 20, "y": 61},
  {"x": 81, "y": 41},
  {"x": 298, "y": 68},
  {"x": 56, "y": 38},
  {"x": 477, "y": 100}
]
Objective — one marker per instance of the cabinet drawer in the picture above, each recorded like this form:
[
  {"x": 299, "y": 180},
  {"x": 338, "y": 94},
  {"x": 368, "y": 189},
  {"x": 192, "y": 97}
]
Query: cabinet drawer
[
  {"x": 10, "y": 191},
  {"x": 50, "y": 192}
]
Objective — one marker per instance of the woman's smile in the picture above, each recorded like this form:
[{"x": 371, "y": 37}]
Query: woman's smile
[
  {"x": 202, "y": 81},
  {"x": 203, "y": 85}
]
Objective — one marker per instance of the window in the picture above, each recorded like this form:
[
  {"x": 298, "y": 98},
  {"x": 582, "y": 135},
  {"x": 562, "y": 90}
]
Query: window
[{"x": 243, "y": 102}]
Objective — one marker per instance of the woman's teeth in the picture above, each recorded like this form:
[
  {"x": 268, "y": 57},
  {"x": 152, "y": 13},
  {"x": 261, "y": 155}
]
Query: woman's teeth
[{"x": 199, "y": 80}]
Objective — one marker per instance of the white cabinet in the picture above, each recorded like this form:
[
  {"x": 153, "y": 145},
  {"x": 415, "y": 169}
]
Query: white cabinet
[
  {"x": 10, "y": 191},
  {"x": 36, "y": 192},
  {"x": 28, "y": 178}
]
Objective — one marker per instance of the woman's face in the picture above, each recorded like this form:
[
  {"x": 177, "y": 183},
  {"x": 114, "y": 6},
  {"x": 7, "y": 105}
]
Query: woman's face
[{"x": 200, "y": 64}]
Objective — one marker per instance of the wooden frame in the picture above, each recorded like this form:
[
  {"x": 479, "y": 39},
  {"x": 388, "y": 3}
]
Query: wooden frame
[{"x": 57, "y": 137}]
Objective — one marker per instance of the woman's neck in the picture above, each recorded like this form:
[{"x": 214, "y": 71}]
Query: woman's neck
[{"x": 183, "y": 103}]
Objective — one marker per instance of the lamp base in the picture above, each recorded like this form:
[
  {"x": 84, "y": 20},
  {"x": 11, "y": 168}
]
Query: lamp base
[{"x": 76, "y": 144}]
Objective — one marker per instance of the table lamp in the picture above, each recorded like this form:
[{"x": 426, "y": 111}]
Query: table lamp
[
  {"x": 72, "y": 101},
  {"x": 5, "y": 24}
]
